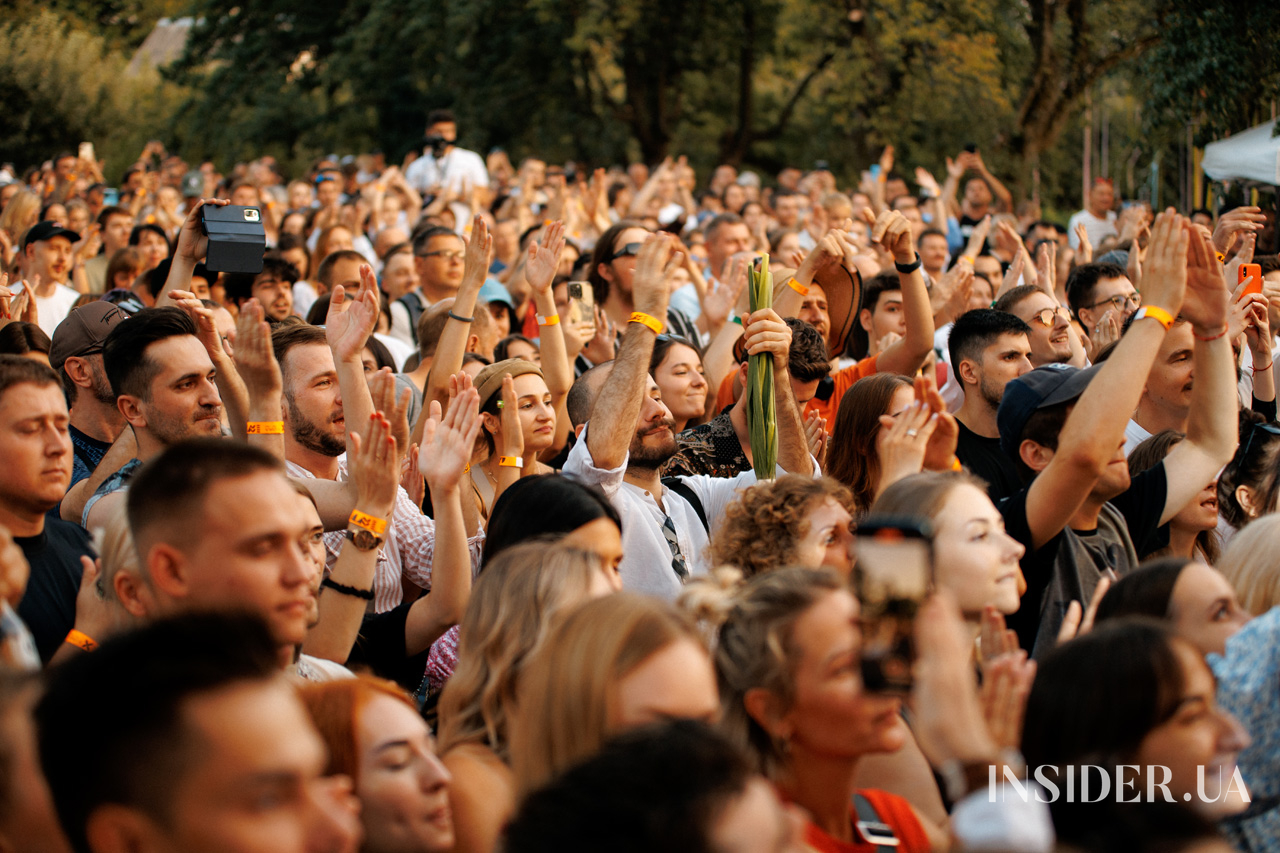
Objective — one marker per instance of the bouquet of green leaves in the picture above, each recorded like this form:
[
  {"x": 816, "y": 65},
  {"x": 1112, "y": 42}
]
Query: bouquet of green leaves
[{"x": 762, "y": 415}]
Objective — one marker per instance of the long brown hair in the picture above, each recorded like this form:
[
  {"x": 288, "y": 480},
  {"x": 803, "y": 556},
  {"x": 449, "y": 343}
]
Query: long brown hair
[
  {"x": 853, "y": 458},
  {"x": 516, "y": 599},
  {"x": 567, "y": 689}
]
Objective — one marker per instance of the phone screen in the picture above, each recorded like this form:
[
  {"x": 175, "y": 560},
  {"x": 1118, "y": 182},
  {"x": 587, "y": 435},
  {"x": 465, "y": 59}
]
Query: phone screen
[
  {"x": 582, "y": 302},
  {"x": 891, "y": 580}
]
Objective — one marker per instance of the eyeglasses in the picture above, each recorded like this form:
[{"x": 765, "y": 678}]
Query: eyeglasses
[
  {"x": 1120, "y": 302},
  {"x": 1272, "y": 429},
  {"x": 447, "y": 254},
  {"x": 629, "y": 250},
  {"x": 1047, "y": 316}
]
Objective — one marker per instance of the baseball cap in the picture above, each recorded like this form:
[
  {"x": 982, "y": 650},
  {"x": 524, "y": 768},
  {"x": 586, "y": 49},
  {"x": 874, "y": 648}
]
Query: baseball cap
[
  {"x": 83, "y": 332},
  {"x": 491, "y": 291},
  {"x": 1045, "y": 386},
  {"x": 47, "y": 230}
]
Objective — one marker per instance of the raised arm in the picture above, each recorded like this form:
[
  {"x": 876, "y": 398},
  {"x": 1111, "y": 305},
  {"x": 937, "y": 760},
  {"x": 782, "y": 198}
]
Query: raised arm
[
  {"x": 453, "y": 340},
  {"x": 231, "y": 387},
  {"x": 892, "y": 231},
  {"x": 1211, "y": 426},
  {"x": 1094, "y": 431},
  {"x": 260, "y": 372},
  {"x": 616, "y": 411},
  {"x": 347, "y": 327},
  {"x": 446, "y": 449},
  {"x": 1004, "y": 198},
  {"x": 191, "y": 249},
  {"x": 540, "y": 271},
  {"x": 766, "y": 332}
]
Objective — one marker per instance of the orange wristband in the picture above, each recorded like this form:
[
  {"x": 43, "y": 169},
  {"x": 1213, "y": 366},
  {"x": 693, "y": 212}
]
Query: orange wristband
[
  {"x": 376, "y": 526},
  {"x": 955, "y": 464},
  {"x": 549, "y": 320},
  {"x": 797, "y": 287},
  {"x": 645, "y": 320},
  {"x": 1161, "y": 316},
  {"x": 510, "y": 461},
  {"x": 266, "y": 428},
  {"x": 81, "y": 640}
]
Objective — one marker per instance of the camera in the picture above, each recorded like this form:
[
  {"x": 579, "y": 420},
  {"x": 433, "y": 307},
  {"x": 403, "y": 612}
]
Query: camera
[
  {"x": 236, "y": 238},
  {"x": 438, "y": 144}
]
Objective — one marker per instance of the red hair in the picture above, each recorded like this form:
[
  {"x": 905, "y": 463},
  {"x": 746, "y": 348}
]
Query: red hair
[{"x": 335, "y": 708}]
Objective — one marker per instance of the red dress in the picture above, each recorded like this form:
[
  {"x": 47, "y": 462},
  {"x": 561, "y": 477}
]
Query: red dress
[{"x": 893, "y": 810}]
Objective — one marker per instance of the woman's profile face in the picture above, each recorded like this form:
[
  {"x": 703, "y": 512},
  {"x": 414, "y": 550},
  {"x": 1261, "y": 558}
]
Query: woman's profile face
[
  {"x": 827, "y": 541},
  {"x": 1204, "y": 608},
  {"x": 402, "y": 786},
  {"x": 832, "y": 715},
  {"x": 981, "y": 564},
  {"x": 677, "y": 682},
  {"x": 601, "y": 537},
  {"x": 1200, "y": 734}
]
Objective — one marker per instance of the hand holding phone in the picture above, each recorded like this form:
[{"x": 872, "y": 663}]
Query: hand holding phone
[
  {"x": 1253, "y": 274},
  {"x": 893, "y": 575}
]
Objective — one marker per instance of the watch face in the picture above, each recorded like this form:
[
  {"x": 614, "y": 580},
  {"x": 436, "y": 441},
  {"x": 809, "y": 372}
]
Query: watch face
[{"x": 364, "y": 540}]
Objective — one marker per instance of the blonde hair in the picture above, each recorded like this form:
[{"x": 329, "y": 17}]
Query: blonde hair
[
  {"x": 22, "y": 211},
  {"x": 1251, "y": 564},
  {"x": 114, "y": 543},
  {"x": 566, "y": 693},
  {"x": 755, "y": 649},
  {"x": 516, "y": 599}
]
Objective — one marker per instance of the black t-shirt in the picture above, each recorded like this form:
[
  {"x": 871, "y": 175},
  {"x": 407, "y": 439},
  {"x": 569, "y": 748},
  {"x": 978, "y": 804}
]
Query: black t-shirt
[
  {"x": 49, "y": 604},
  {"x": 984, "y": 458},
  {"x": 380, "y": 648},
  {"x": 1067, "y": 568}
]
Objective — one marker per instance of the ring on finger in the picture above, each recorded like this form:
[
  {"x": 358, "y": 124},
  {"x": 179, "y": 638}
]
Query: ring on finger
[{"x": 913, "y": 433}]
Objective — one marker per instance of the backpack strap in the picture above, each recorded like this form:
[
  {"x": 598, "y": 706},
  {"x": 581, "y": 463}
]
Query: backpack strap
[
  {"x": 681, "y": 488},
  {"x": 873, "y": 829},
  {"x": 413, "y": 304}
]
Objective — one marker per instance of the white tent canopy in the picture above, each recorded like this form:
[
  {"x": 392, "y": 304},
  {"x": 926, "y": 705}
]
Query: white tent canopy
[{"x": 1253, "y": 155}]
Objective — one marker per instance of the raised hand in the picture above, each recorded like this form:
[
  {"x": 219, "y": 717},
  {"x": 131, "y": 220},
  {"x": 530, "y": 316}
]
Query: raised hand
[
  {"x": 349, "y": 322},
  {"x": 657, "y": 261},
  {"x": 927, "y": 181},
  {"x": 375, "y": 467},
  {"x": 940, "y": 452},
  {"x": 1205, "y": 302},
  {"x": 6, "y": 295},
  {"x": 978, "y": 238},
  {"x": 893, "y": 232},
  {"x": 720, "y": 298},
  {"x": 765, "y": 331},
  {"x": 1006, "y": 684},
  {"x": 1084, "y": 250},
  {"x": 479, "y": 255},
  {"x": 254, "y": 356},
  {"x": 206, "y": 328},
  {"x": 1233, "y": 223},
  {"x": 447, "y": 440},
  {"x": 1164, "y": 281},
  {"x": 193, "y": 245},
  {"x": 1047, "y": 267},
  {"x": 902, "y": 448},
  {"x": 393, "y": 406},
  {"x": 815, "y": 433},
  {"x": 1077, "y": 622},
  {"x": 509, "y": 414},
  {"x": 544, "y": 257}
]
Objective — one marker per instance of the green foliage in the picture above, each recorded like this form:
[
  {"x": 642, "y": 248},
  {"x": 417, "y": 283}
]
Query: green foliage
[{"x": 60, "y": 85}]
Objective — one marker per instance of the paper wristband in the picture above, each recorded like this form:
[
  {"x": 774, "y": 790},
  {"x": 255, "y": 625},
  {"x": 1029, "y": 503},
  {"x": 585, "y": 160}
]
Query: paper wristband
[
  {"x": 645, "y": 320},
  {"x": 797, "y": 287},
  {"x": 376, "y": 526},
  {"x": 511, "y": 461},
  {"x": 552, "y": 320},
  {"x": 81, "y": 640},
  {"x": 266, "y": 428}
]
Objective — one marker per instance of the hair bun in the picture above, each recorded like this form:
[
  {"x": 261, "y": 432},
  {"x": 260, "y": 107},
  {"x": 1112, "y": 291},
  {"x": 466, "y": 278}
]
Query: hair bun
[{"x": 709, "y": 600}]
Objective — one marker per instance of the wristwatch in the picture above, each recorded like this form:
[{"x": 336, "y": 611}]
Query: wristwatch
[{"x": 363, "y": 539}]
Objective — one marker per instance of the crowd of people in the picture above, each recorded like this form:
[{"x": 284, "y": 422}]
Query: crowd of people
[{"x": 444, "y": 531}]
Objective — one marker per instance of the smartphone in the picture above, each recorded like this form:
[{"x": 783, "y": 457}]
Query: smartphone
[
  {"x": 582, "y": 302},
  {"x": 892, "y": 577},
  {"x": 110, "y": 197},
  {"x": 1248, "y": 271},
  {"x": 971, "y": 148},
  {"x": 86, "y": 152}
]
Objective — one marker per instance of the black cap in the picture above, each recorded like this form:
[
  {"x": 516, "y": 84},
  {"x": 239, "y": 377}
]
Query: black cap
[
  {"x": 47, "y": 230},
  {"x": 1043, "y": 387}
]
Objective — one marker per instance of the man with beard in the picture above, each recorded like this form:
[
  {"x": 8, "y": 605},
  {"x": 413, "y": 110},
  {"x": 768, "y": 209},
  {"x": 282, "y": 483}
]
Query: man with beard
[
  {"x": 988, "y": 349},
  {"x": 273, "y": 287},
  {"x": 76, "y": 355},
  {"x": 163, "y": 380},
  {"x": 319, "y": 375},
  {"x": 629, "y": 436}
]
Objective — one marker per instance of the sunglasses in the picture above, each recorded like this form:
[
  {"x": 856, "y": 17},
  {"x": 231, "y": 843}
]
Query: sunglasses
[
  {"x": 627, "y": 251},
  {"x": 1271, "y": 429},
  {"x": 1046, "y": 316}
]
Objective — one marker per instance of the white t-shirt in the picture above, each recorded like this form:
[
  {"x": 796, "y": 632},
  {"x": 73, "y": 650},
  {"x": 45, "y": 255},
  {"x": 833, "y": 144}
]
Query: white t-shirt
[
  {"x": 1097, "y": 229},
  {"x": 452, "y": 170},
  {"x": 1134, "y": 434},
  {"x": 53, "y": 309}
]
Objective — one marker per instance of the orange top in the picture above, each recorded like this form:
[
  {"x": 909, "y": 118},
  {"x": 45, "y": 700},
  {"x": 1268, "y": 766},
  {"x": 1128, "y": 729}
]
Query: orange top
[{"x": 893, "y": 810}]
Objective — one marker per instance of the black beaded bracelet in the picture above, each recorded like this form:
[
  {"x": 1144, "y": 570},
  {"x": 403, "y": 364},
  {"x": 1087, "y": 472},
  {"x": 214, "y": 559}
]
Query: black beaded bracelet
[
  {"x": 907, "y": 269},
  {"x": 461, "y": 319},
  {"x": 366, "y": 594}
]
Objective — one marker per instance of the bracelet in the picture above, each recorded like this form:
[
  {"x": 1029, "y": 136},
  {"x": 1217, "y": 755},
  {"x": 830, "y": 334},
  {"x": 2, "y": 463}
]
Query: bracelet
[
  {"x": 955, "y": 464},
  {"x": 797, "y": 287},
  {"x": 266, "y": 428},
  {"x": 1210, "y": 337},
  {"x": 376, "y": 526},
  {"x": 461, "y": 319},
  {"x": 1266, "y": 366},
  {"x": 1221, "y": 257},
  {"x": 1161, "y": 316},
  {"x": 510, "y": 461},
  {"x": 550, "y": 320},
  {"x": 646, "y": 320},
  {"x": 907, "y": 269},
  {"x": 81, "y": 640},
  {"x": 354, "y": 592},
  {"x": 970, "y": 258}
]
